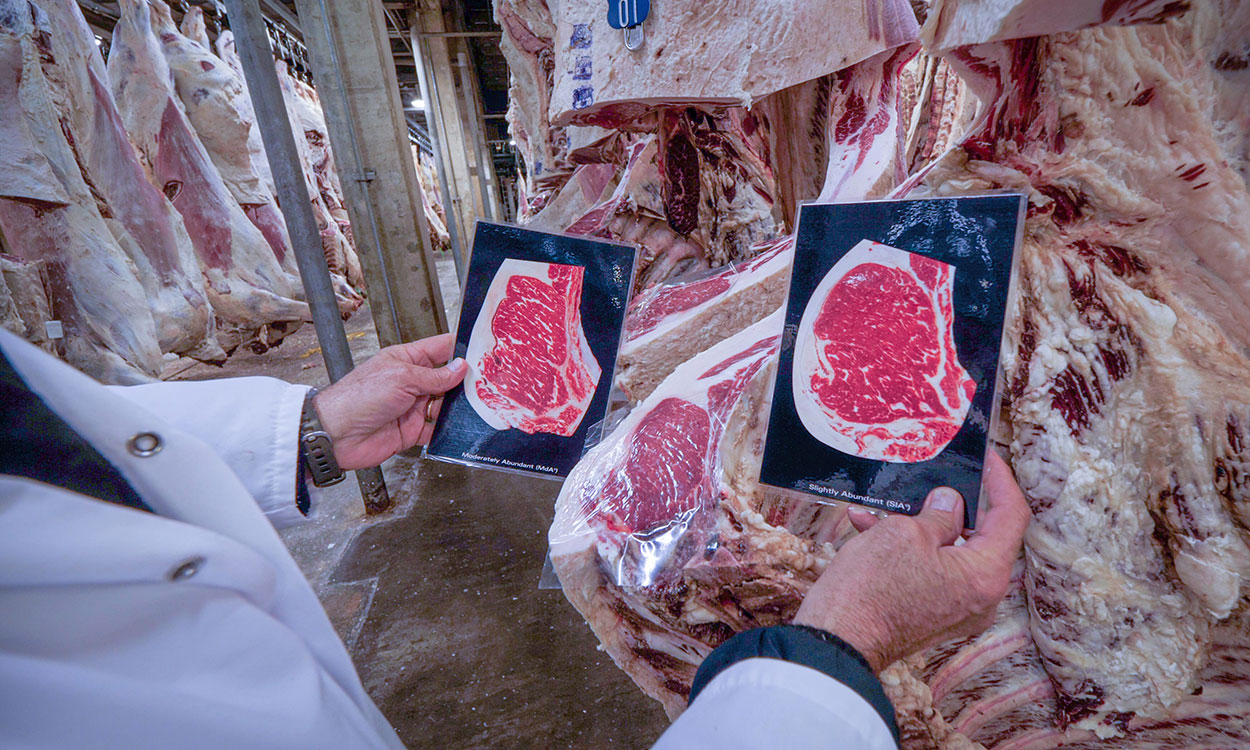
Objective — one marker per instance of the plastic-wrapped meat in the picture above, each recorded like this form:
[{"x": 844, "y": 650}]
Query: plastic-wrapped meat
[
  {"x": 670, "y": 323},
  {"x": 48, "y": 214},
  {"x": 142, "y": 219},
  {"x": 663, "y": 540},
  {"x": 245, "y": 283}
]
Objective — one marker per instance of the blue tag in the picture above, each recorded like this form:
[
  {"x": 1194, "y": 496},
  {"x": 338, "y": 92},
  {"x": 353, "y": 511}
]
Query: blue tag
[{"x": 624, "y": 13}]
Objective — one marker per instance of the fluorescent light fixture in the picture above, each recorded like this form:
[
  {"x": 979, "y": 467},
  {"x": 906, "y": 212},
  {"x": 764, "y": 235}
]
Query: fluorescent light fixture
[{"x": 417, "y": 103}]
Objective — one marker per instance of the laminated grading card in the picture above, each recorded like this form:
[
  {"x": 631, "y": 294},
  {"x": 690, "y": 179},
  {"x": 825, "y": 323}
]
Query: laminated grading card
[
  {"x": 541, "y": 320},
  {"x": 887, "y": 384}
]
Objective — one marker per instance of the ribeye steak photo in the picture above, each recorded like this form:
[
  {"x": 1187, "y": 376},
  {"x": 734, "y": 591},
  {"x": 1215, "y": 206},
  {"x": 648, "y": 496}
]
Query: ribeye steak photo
[
  {"x": 530, "y": 365},
  {"x": 876, "y": 371}
]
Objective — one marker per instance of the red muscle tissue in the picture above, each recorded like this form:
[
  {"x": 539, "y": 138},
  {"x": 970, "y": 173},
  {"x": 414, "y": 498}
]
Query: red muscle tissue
[
  {"x": 876, "y": 371},
  {"x": 530, "y": 366}
]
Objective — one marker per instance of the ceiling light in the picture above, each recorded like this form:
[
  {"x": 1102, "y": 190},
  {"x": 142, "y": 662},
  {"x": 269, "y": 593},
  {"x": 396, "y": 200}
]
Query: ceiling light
[
  {"x": 512, "y": 143},
  {"x": 417, "y": 103}
]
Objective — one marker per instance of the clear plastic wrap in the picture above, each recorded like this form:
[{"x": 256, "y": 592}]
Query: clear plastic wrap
[
  {"x": 670, "y": 323},
  {"x": 662, "y": 537}
]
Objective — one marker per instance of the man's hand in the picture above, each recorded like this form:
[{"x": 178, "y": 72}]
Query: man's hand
[
  {"x": 390, "y": 402},
  {"x": 902, "y": 585}
]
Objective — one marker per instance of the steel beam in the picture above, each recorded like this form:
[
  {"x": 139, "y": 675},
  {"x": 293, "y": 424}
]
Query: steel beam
[
  {"x": 252, "y": 42},
  {"x": 355, "y": 72},
  {"x": 440, "y": 168}
]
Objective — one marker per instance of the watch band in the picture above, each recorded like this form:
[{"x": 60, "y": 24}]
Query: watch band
[{"x": 317, "y": 447}]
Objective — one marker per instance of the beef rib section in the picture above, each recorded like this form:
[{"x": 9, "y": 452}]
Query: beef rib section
[
  {"x": 530, "y": 365},
  {"x": 876, "y": 373},
  {"x": 670, "y": 323},
  {"x": 662, "y": 538}
]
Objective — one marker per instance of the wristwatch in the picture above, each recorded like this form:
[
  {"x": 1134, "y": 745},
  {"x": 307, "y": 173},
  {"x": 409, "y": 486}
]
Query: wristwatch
[{"x": 316, "y": 447}]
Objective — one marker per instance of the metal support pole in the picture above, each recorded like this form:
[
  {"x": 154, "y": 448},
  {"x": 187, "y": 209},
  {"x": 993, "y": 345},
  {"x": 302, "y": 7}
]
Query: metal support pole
[
  {"x": 440, "y": 168},
  {"x": 252, "y": 43},
  {"x": 359, "y": 175},
  {"x": 433, "y": 111},
  {"x": 475, "y": 132}
]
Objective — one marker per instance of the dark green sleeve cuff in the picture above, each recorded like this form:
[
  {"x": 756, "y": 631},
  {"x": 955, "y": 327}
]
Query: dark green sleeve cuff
[{"x": 800, "y": 644}]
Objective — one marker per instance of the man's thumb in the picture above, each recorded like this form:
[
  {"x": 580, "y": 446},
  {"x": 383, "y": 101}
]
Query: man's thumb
[
  {"x": 435, "y": 381},
  {"x": 943, "y": 513}
]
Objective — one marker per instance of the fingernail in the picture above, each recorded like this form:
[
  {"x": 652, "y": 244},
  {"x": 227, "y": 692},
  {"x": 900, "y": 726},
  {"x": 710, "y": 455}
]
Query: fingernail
[
  {"x": 944, "y": 499},
  {"x": 455, "y": 363}
]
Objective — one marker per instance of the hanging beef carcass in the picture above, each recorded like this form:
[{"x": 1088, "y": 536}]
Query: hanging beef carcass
[
  {"x": 317, "y": 133},
  {"x": 527, "y": 45},
  {"x": 343, "y": 265},
  {"x": 141, "y": 217},
  {"x": 1127, "y": 402},
  {"x": 435, "y": 218},
  {"x": 194, "y": 28},
  {"x": 245, "y": 283},
  {"x": 708, "y": 53},
  {"x": 255, "y": 145},
  {"x": 48, "y": 213},
  {"x": 1128, "y": 371},
  {"x": 211, "y": 94},
  {"x": 28, "y": 293},
  {"x": 340, "y": 255}
]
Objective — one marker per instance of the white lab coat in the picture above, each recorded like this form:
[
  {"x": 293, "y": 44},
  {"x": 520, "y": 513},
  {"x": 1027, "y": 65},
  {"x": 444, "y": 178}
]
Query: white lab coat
[
  {"x": 194, "y": 628},
  {"x": 103, "y": 646}
]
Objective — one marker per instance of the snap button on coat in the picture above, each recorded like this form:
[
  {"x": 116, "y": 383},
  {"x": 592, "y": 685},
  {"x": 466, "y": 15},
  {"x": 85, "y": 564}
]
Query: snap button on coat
[
  {"x": 186, "y": 569},
  {"x": 144, "y": 444}
]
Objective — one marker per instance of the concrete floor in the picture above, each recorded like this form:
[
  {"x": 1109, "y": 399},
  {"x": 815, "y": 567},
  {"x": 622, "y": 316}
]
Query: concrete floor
[{"x": 438, "y": 599}]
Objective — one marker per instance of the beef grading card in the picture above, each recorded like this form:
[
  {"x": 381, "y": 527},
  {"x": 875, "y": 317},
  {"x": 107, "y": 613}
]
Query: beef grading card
[
  {"x": 886, "y": 384},
  {"x": 540, "y": 326}
]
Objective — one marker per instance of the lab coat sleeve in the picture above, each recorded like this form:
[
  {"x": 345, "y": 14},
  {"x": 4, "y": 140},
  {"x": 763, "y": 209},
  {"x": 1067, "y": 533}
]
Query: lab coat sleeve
[
  {"x": 252, "y": 423},
  {"x": 788, "y": 687}
]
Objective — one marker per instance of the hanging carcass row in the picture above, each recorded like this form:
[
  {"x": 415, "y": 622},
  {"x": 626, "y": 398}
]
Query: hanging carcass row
[
  {"x": 1126, "y": 416},
  {"x": 49, "y": 215},
  {"x": 245, "y": 283},
  {"x": 145, "y": 223},
  {"x": 212, "y": 94}
]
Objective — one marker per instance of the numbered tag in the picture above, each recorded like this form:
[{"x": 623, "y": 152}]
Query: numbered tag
[{"x": 625, "y": 13}]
